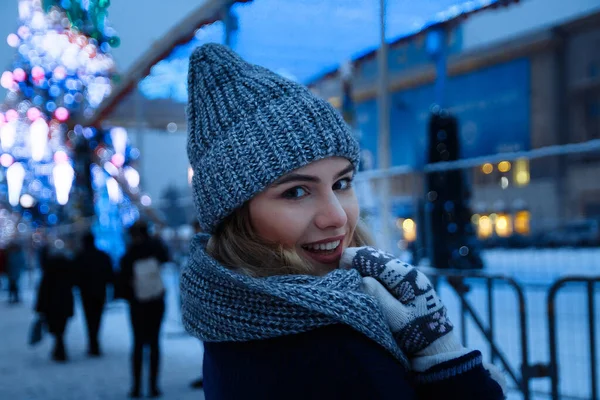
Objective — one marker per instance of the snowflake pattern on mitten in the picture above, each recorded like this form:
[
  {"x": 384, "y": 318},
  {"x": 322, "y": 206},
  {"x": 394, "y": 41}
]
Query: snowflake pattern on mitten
[{"x": 419, "y": 304}]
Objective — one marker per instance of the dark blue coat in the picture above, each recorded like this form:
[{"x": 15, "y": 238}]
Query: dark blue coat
[{"x": 333, "y": 362}]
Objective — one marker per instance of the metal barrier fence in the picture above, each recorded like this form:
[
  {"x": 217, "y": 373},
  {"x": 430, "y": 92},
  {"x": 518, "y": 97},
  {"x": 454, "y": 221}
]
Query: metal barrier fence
[
  {"x": 561, "y": 374},
  {"x": 461, "y": 284},
  {"x": 515, "y": 325}
]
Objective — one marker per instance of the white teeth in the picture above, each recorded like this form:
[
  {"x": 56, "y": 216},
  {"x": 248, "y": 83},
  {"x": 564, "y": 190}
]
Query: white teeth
[{"x": 323, "y": 246}]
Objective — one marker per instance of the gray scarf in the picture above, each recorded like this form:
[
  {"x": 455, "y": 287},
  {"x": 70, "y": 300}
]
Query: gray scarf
[{"x": 220, "y": 305}]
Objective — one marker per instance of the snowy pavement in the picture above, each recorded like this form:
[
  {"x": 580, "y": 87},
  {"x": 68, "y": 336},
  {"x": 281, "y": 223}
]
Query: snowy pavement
[{"x": 27, "y": 373}]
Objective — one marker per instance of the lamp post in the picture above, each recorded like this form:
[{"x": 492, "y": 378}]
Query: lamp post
[{"x": 384, "y": 125}]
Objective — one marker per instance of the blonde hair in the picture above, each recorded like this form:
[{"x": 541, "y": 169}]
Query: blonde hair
[{"x": 236, "y": 245}]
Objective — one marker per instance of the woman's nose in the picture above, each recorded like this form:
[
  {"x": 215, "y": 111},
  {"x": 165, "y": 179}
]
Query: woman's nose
[{"x": 331, "y": 213}]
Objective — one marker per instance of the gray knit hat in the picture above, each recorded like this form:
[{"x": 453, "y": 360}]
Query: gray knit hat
[{"x": 248, "y": 127}]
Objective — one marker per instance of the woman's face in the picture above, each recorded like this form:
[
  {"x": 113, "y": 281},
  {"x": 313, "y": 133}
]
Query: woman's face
[{"x": 312, "y": 210}]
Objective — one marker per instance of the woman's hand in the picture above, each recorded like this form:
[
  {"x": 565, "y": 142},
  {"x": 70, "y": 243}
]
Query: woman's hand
[{"x": 415, "y": 313}]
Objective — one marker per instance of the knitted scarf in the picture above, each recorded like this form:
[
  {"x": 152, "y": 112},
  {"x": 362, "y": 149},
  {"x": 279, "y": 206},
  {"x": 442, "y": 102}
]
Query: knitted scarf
[{"x": 221, "y": 305}]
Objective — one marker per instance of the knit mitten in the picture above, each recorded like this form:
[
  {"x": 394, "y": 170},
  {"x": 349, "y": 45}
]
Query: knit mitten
[{"x": 414, "y": 312}]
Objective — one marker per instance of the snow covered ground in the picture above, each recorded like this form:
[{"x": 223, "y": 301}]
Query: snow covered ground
[{"x": 27, "y": 373}]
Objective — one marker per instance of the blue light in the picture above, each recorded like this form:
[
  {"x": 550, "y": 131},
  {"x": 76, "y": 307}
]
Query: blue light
[
  {"x": 44, "y": 209},
  {"x": 134, "y": 153},
  {"x": 449, "y": 206},
  {"x": 51, "y": 106},
  {"x": 52, "y": 219},
  {"x": 452, "y": 227},
  {"x": 54, "y": 91}
]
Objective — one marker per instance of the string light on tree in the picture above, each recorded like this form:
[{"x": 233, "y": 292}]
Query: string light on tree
[{"x": 62, "y": 72}]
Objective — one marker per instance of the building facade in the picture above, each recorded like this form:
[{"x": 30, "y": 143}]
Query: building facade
[{"x": 522, "y": 103}]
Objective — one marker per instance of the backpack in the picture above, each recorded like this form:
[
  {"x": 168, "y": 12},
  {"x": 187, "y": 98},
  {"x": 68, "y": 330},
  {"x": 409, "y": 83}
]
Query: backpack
[{"x": 147, "y": 280}]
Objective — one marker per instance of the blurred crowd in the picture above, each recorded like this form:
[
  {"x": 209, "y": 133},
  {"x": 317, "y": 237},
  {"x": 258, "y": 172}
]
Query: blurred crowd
[{"x": 74, "y": 265}]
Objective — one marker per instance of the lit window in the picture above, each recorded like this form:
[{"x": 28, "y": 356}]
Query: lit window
[
  {"x": 521, "y": 172},
  {"x": 484, "y": 229},
  {"x": 487, "y": 168},
  {"x": 522, "y": 220},
  {"x": 503, "y": 225},
  {"x": 504, "y": 166},
  {"x": 410, "y": 230}
]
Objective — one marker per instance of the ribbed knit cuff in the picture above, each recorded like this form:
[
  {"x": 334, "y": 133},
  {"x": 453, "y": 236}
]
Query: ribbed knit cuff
[
  {"x": 443, "y": 349},
  {"x": 450, "y": 369}
]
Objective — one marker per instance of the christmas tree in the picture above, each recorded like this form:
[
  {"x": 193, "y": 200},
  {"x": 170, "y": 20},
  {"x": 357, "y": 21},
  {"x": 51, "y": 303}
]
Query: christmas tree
[{"x": 62, "y": 71}]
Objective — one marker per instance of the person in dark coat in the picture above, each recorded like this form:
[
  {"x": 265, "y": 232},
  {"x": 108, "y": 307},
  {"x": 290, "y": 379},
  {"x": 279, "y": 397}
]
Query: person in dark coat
[
  {"x": 139, "y": 285},
  {"x": 55, "y": 296},
  {"x": 15, "y": 262},
  {"x": 283, "y": 288},
  {"x": 94, "y": 274}
]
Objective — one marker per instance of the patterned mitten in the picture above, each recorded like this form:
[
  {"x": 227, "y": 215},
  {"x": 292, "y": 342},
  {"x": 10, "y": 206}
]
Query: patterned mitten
[{"x": 415, "y": 313}]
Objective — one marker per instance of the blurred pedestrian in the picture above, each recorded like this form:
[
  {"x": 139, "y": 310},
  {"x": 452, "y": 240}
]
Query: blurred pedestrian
[
  {"x": 94, "y": 273},
  {"x": 15, "y": 264},
  {"x": 283, "y": 290},
  {"x": 2, "y": 266},
  {"x": 140, "y": 283},
  {"x": 55, "y": 294}
]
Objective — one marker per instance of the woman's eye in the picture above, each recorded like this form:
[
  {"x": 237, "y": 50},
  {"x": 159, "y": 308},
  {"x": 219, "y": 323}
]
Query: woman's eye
[
  {"x": 343, "y": 184},
  {"x": 294, "y": 193}
]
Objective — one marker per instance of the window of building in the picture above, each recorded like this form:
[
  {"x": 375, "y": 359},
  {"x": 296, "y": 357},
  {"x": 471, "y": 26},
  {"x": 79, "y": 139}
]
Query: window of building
[
  {"x": 521, "y": 172},
  {"x": 504, "y": 226},
  {"x": 484, "y": 227},
  {"x": 408, "y": 227},
  {"x": 522, "y": 222},
  {"x": 592, "y": 116}
]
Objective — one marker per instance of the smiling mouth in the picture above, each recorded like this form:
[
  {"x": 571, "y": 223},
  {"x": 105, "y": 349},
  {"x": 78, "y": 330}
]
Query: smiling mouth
[{"x": 323, "y": 248}]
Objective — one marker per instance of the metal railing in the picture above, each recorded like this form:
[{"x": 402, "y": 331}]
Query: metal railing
[
  {"x": 590, "y": 283},
  {"x": 456, "y": 279}
]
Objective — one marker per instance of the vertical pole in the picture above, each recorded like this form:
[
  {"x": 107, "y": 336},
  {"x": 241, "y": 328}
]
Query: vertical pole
[
  {"x": 384, "y": 125},
  {"x": 490, "y": 306},
  {"x": 231, "y": 23},
  {"x": 440, "y": 68},
  {"x": 592, "y": 333},
  {"x": 552, "y": 339},
  {"x": 436, "y": 47},
  {"x": 139, "y": 130}
]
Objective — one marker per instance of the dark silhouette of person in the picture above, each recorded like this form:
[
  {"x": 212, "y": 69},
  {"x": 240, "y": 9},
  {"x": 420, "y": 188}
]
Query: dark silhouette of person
[
  {"x": 139, "y": 284},
  {"x": 55, "y": 295},
  {"x": 15, "y": 263},
  {"x": 94, "y": 274}
]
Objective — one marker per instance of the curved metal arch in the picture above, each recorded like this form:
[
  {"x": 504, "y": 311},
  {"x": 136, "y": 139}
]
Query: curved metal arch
[{"x": 210, "y": 11}]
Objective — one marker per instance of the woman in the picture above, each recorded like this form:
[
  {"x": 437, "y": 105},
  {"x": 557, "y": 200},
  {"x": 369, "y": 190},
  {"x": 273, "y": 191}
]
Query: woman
[
  {"x": 140, "y": 283},
  {"x": 289, "y": 302}
]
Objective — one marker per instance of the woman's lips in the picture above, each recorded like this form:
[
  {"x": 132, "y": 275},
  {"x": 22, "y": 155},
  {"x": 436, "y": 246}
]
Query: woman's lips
[{"x": 326, "y": 257}]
